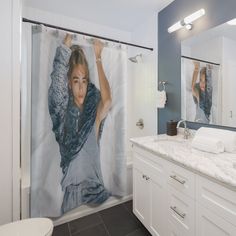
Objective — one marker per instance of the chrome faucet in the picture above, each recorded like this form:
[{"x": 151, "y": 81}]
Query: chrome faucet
[{"x": 186, "y": 130}]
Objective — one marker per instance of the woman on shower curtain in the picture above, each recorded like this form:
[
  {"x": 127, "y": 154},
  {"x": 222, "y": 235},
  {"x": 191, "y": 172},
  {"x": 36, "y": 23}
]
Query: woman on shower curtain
[
  {"x": 78, "y": 109},
  {"x": 202, "y": 92}
]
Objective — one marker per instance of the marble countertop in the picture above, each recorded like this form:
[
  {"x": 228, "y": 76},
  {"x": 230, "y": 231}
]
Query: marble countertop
[{"x": 221, "y": 167}]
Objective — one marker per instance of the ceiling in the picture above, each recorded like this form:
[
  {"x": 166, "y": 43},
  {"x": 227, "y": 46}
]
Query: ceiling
[{"x": 123, "y": 14}]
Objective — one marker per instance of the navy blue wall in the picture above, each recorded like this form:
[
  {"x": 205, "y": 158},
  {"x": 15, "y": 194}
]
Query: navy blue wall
[{"x": 169, "y": 47}]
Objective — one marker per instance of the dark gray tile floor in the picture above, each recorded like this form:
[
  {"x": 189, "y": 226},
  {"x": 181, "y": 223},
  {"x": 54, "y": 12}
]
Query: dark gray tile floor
[{"x": 115, "y": 221}]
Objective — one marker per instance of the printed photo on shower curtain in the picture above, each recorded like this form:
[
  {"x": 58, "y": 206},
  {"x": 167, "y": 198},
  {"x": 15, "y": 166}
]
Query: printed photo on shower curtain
[
  {"x": 201, "y": 91},
  {"x": 78, "y": 122}
]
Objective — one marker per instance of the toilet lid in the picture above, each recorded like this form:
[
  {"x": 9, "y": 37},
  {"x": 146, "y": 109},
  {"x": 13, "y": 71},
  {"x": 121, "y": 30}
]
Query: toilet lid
[{"x": 28, "y": 227}]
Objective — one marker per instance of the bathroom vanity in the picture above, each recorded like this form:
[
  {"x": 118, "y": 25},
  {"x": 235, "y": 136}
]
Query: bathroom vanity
[{"x": 181, "y": 191}]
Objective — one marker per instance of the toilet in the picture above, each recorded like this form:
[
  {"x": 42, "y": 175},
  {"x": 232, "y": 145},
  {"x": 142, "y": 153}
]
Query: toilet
[{"x": 28, "y": 227}]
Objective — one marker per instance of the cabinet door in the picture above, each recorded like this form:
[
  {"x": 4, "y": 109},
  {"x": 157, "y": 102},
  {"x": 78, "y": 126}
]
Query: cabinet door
[
  {"x": 157, "y": 206},
  {"x": 208, "y": 223},
  {"x": 158, "y": 202},
  {"x": 140, "y": 196}
]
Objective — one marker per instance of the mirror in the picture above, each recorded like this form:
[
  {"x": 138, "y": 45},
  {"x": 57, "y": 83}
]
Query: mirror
[{"x": 208, "y": 77}]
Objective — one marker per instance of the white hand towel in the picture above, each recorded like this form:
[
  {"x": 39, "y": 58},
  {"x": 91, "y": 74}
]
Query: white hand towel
[
  {"x": 161, "y": 98},
  {"x": 227, "y": 137},
  {"x": 207, "y": 144}
]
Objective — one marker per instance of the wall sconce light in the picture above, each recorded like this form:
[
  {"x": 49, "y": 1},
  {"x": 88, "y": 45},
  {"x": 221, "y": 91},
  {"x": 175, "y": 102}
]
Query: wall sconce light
[
  {"x": 232, "y": 22},
  {"x": 187, "y": 21}
]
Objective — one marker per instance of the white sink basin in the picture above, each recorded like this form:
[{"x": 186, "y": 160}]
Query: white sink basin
[
  {"x": 170, "y": 141},
  {"x": 173, "y": 145}
]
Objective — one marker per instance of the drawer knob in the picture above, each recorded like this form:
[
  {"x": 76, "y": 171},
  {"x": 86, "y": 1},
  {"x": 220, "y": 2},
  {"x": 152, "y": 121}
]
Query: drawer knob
[
  {"x": 175, "y": 209},
  {"x": 181, "y": 181}
]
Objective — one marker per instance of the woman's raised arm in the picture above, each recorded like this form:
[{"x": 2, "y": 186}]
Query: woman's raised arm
[
  {"x": 106, "y": 100},
  {"x": 195, "y": 92},
  {"x": 58, "y": 95}
]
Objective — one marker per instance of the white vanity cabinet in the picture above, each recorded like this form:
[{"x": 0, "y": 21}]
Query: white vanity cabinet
[
  {"x": 173, "y": 201},
  {"x": 149, "y": 193}
]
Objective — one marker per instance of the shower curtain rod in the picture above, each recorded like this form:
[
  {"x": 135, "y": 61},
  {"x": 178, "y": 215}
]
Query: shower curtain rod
[
  {"x": 83, "y": 33},
  {"x": 195, "y": 59}
]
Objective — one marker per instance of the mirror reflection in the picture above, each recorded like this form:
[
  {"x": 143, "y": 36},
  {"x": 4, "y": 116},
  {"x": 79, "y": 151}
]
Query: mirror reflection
[{"x": 208, "y": 76}]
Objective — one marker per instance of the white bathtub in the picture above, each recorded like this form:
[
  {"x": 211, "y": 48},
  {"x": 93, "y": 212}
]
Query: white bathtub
[{"x": 80, "y": 211}]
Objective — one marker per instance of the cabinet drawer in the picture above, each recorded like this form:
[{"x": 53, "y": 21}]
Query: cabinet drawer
[
  {"x": 208, "y": 223},
  {"x": 181, "y": 211},
  {"x": 140, "y": 163},
  {"x": 217, "y": 198},
  {"x": 175, "y": 230},
  {"x": 148, "y": 156},
  {"x": 181, "y": 179},
  {"x": 150, "y": 170}
]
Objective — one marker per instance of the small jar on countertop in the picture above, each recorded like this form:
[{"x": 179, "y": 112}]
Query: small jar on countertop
[{"x": 171, "y": 127}]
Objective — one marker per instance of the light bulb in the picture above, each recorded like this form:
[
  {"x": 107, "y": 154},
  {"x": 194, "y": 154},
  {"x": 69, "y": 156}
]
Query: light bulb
[
  {"x": 175, "y": 27},
  {"x": 232, "y": 22},
  {"x": 187, "y": 21},
  {"x": 194, "y": 16}
]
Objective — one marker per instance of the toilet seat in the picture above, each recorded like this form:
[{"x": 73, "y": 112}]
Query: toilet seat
[{"x": 28, "y": 227}]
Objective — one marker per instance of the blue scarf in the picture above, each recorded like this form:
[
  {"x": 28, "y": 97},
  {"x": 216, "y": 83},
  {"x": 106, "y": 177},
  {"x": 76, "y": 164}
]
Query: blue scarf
[{"x": 78, "y": 125}]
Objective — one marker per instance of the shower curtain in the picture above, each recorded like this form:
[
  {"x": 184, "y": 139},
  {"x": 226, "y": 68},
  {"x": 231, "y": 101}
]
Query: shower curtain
[
  {"x": 72, "y": 163},
  {"x": 212, "y": 94}
]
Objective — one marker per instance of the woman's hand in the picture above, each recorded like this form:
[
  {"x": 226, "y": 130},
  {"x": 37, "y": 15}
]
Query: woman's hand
[
  {"x": 68, "y": 40},
  {"x": 98, "y": 47},
  {"x": 209, "y": 66}
]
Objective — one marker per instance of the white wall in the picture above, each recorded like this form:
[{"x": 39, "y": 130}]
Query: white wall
[
  {"x": 75, "y": 24},
  {"x": 229, "y": 81},
  {"x": 205, "y": 51},
  {"x": 9, "y": 110},
  {"x": 5, "y": 113},
  {"x": 143, "y": 80}
]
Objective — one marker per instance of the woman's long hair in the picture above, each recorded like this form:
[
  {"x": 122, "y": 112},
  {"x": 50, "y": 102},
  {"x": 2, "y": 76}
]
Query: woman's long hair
[{"x": 78, "y": 58}]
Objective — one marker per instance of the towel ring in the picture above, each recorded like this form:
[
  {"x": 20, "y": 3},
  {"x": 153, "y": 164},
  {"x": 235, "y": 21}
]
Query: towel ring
[{"x": 163, "y": 84}]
